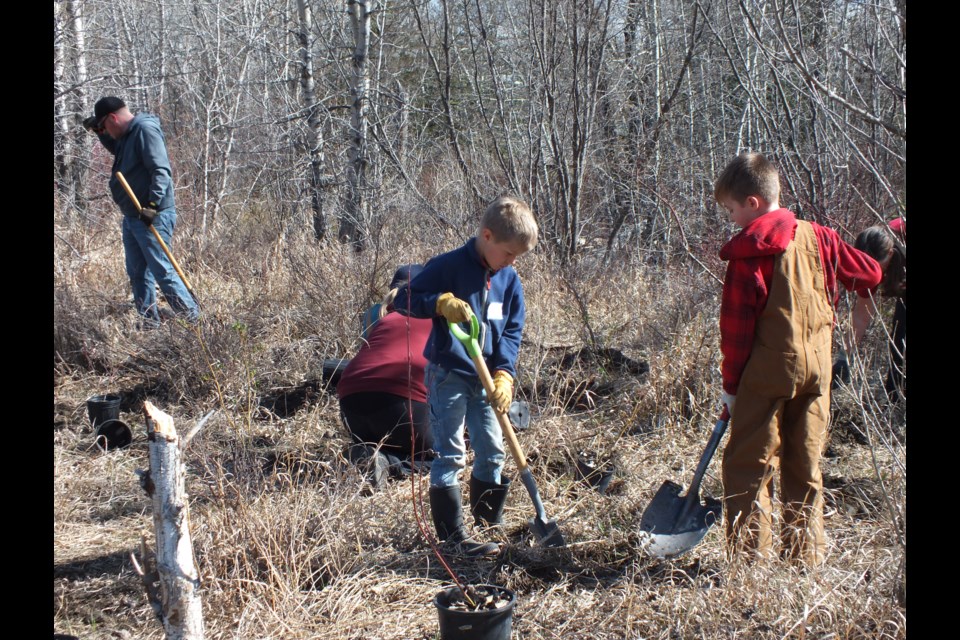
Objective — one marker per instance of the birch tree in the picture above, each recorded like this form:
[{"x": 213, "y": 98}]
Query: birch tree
[
  {"x": 356, "y": 215},
  {"x": 312, "y": 108}
]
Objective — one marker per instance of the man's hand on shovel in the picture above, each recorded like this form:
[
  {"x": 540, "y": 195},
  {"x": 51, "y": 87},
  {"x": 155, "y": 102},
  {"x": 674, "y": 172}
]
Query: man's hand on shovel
[
  {"x": 147, "y": 214},
  {"x": 156, "y": 234}
]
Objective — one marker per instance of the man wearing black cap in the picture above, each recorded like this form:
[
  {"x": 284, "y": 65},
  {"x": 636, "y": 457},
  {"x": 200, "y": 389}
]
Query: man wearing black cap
[{"x": 140, "y": 154}]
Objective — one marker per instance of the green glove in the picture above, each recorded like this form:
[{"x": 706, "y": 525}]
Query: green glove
[
  {"x": 452, "y": 308},
  {"x": 502, "y": 396}
]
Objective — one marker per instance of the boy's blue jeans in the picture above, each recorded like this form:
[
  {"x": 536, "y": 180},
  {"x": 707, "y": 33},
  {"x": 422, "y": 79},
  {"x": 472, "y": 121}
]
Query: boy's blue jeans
[
  {"x": 148, "y": 265},
  {"x": 455, "y": 401}
]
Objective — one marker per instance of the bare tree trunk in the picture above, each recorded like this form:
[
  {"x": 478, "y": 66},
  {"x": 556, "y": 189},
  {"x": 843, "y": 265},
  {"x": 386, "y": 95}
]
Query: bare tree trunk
[
  {"x": 80, "y": 141},
  {"x": 61, "y": 120},
  {"x": 70, "y": 104},
  {"x": 161, "y": 50},
  {"x": 179, "y": 608},
  {"x": 353, "y": 224},
  {"x": 314, "y": 130}
]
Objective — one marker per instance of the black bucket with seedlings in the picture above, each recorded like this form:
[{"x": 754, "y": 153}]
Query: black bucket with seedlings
[
  {"x": 490, "y": 617},
  {"x": 594, "y": 471},
  {"x": 103, "y": 408},
  {"x": 113, "y": 434}
]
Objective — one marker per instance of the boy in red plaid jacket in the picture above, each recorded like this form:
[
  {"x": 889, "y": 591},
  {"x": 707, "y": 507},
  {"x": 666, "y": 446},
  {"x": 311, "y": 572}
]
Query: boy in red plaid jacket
[{"x": 776, "y": 321}]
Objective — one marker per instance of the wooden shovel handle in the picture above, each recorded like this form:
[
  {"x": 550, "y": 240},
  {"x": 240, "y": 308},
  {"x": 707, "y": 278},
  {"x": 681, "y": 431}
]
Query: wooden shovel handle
[
  {"x": 505, "y": 425},
  {"x": 469, "y": 341},
  {"x": 156, "y": 234}
]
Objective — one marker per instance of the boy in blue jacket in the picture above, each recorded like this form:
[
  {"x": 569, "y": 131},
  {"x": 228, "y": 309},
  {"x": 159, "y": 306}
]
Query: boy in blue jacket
[{"x": 477, "y": 277}]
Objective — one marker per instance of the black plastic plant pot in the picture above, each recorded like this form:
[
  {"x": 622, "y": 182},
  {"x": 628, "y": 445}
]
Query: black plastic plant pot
[
  {"x": 594, "y": 472},
  {"x": 493, "y": 621},
  {"x": 113, "y": 434},
  {"x": 103, "y": 408}
]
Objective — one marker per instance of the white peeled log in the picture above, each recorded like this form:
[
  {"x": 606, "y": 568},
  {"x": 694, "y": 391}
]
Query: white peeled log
[{"x": 179, "y": 608}]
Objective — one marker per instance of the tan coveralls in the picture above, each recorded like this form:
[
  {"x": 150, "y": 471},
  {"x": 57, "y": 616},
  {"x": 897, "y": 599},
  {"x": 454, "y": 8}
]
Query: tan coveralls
[{"x": 782, "y": 410}]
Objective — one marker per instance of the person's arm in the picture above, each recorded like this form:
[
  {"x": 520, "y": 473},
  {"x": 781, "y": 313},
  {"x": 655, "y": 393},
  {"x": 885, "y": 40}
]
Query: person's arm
[
  {"x": 108, "y": 143},
  {"x": 863, "y": 312},
  {"x": 153, "y": 152},
  {"x": 418, "y": 298},
  {"x": 855, "y": 269},
  {"x": 744, "y": 292}
]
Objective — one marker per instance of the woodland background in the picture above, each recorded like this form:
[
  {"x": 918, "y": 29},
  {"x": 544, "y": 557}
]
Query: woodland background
[{"x": 317, "y": 145}]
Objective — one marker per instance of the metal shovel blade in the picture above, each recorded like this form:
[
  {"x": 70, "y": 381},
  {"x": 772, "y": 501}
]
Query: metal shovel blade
[
  {"x": 546, "y": 530},
  {"x": 673, "y": 524}
]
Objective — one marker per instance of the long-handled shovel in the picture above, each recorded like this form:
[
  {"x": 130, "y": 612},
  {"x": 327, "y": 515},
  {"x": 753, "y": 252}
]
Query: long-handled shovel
[
  {"x": 156, "y": 234},
  {"x": 546, "y": 530},
  {"x": 673, "y": 524}
]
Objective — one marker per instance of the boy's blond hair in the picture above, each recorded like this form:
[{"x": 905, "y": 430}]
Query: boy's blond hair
[
  {"x": 510, "y": 219},
  {"x": 749, "y": 174}
]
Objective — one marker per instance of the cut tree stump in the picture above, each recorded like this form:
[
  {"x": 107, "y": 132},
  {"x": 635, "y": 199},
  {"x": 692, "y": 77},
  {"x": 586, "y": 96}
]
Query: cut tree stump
[{"x": 179, "y": 607}]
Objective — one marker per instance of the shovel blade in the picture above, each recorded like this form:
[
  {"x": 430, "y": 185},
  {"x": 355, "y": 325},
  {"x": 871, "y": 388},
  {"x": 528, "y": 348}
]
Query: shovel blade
[
  {"x": 547, "y": 532},
  {"x": 672, "y": 524}
]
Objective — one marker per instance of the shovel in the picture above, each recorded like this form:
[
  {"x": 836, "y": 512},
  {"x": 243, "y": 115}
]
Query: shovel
[
  {"x": 546, "y": 530},
  {"x": 673, "y": 524},
  {"x": 156, "y": 234}
]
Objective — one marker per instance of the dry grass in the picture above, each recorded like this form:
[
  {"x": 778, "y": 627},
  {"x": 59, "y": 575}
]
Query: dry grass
[{"x": 290, "y": 543}]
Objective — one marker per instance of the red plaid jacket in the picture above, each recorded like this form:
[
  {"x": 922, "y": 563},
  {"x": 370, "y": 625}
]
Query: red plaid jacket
[{"x": 747, "y": 285}]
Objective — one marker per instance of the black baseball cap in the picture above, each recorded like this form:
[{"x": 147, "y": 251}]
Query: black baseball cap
[
  {"x": 404, "y": 274},
  {"x": 106, "y": 106}
]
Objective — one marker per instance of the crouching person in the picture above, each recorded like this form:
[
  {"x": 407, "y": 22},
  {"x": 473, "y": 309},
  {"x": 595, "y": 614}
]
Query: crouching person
[{"x": 382, "y": 393}]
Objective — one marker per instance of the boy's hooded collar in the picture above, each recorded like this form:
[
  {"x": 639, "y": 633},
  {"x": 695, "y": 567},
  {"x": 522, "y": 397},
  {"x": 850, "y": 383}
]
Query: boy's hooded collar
[{"x": 767, "y": 235}]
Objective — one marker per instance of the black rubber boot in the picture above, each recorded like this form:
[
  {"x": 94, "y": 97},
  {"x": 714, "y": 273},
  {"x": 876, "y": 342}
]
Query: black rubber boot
[
  {"x": 487, "y": 500},
  {"x": 447, "y": 510}
]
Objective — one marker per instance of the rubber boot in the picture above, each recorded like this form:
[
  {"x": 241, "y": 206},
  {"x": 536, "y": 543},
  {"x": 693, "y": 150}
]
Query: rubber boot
[
  {"x": 487, "y": 500},
  {"x": 447, "y": 510}
]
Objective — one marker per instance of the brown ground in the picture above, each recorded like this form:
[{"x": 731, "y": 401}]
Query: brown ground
[{"x": 291, "y": 544}]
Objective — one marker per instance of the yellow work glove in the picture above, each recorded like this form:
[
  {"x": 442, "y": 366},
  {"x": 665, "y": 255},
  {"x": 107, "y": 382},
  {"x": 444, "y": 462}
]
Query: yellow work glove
[
  {"x": 502, "y": 395},
  {"x": 452, "y": 308}
]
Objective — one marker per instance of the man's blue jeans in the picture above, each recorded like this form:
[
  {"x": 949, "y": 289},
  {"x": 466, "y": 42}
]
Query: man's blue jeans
[
  {"x": 456, "y": 401},
  {"x": 148, "y": 265}
]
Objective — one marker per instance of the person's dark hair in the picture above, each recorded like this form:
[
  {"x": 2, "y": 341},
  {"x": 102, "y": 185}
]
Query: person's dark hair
[
  {"x": 878, "y": 242},
  {"x": 404, "y": 274},
  {"x": 749, "y": 174}
]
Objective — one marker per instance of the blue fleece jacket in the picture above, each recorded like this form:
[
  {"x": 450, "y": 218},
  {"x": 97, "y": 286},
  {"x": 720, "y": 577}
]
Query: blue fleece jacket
[
  {"x": 141, "y": 156},
  {"x": 496, "y": 299}
]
